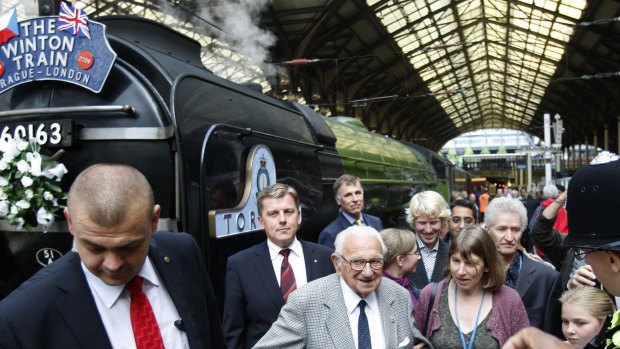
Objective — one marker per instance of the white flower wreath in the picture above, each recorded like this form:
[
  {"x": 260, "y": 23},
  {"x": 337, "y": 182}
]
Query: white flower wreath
[{"x": 29, "y": 184}]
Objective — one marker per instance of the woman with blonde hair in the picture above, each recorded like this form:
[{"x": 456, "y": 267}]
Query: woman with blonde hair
[
  {"x": 584, "y": 310},
  {"x": 471, "y": 308},
  {"x": 401, "y": 258}
]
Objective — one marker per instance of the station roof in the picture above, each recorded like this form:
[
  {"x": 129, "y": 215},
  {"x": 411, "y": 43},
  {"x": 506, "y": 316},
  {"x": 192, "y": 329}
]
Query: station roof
[{"x": 425, "y": 71}]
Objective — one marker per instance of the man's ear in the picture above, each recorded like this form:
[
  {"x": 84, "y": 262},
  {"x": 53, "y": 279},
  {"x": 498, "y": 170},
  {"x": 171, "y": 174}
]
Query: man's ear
[
  {"x": 613, "y": 258},
  {"x": 335, "y": 262},
  {"x": 69, "y": 223},
  {"x": 155, "y": 218}
]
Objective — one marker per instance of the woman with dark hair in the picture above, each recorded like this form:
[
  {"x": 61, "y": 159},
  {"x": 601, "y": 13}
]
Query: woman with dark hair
[{"x": 472, "y": 307}]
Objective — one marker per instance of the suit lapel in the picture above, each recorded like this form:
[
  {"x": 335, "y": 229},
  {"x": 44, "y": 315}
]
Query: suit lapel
[
  {"x": 525, "y": 279},
  {"x": 311, "y": 261},
  {"x": 386, "y": 303},
  {"x": 344, "y": 223},
  {"x": 264, "y": 269},
  {"x": 337, "y": 320},
  {"x": 78, "y": 305},
  {"x": 169, "y": 273}
]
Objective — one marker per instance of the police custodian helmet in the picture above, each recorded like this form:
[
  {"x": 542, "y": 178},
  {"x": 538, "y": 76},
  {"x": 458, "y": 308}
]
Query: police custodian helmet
[{"x": 593, "y": 205}]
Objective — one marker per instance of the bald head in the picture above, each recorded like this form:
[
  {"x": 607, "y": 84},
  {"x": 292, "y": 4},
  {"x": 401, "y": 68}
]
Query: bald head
[{"x": 108, "y": 193}]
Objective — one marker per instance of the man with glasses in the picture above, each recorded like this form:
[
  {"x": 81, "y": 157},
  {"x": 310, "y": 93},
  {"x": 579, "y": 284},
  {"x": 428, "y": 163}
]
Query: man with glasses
[
  {"x": 592, "y": 206},
  {"x": 353, "y": 308}
]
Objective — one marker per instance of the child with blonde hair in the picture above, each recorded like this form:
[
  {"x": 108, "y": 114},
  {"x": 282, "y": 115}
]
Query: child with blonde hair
[{"x": 584, "y": 310}]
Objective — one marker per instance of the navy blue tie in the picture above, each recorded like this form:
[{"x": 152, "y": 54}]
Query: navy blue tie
[{"x": 363, "y": 333}]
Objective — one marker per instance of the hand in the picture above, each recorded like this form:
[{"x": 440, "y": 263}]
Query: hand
[
  {"x": 533, "y": 338},
  {"x": 582, "y": 277}
]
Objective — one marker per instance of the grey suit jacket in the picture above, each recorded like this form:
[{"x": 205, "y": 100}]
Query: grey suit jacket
[{"x": 315, "y": 316}]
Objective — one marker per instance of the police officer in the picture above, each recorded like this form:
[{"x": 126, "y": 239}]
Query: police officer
[{"x": 593, "y": 202}]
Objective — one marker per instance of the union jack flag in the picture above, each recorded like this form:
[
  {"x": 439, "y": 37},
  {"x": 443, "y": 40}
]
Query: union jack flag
[{"x": 73, "y": 20}]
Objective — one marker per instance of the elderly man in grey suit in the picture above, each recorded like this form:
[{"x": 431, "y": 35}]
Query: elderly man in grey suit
[{"x": 354, "y": 308}]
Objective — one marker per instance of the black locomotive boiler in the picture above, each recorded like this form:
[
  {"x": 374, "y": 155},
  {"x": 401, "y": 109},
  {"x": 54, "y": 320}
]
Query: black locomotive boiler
[{"x": 206, "y": 145}]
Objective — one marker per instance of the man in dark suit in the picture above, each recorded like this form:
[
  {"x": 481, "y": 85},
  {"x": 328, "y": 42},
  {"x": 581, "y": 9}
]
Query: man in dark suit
[
  {"x": 349, "y": 196},
  {"x": 536, "y": 281},
  {"x": 258, "y": 279},
  {"x": 80, "y": 301}
]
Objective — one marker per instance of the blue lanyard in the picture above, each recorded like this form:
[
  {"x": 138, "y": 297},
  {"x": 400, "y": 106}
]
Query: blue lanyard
[{"x": 458, "y": 323}]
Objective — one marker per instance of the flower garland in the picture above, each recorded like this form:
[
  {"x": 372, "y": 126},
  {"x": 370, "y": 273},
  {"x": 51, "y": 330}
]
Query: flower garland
[{"x": 29, "y": 184}]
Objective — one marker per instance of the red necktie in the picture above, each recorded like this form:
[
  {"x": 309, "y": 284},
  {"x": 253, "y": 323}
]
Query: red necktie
[
  {"x": 287, "y": 277},
  {"x": 145, "y": 329}
]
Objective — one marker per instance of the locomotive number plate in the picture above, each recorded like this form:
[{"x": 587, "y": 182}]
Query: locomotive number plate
[{"x": 48, "y": 133}]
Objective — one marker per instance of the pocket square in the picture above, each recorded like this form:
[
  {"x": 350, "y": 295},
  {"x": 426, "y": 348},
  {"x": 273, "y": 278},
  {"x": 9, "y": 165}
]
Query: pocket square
[{"x": 404, "y": 343}]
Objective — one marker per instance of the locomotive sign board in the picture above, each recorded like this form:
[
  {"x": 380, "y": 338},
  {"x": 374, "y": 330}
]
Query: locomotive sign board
[
  {"x": 68, "y": 48},
  {"x": 261, "y": 173}
]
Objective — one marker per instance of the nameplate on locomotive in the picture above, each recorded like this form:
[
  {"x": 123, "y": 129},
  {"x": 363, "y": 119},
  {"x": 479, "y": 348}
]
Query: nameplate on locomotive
[
  {"x": 68, "y": 47},
  {"x": 260, "y": 173}
]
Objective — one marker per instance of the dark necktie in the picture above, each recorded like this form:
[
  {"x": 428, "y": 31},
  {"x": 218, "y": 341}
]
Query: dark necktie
[
  {"x": 363, "y": 333},
  {"x": 145, "y": 329},
  {"x": 287, "y": 277}
]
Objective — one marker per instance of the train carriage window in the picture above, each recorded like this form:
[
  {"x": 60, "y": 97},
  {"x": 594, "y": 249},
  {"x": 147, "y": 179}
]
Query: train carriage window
[{"x": 224, "y": 170}]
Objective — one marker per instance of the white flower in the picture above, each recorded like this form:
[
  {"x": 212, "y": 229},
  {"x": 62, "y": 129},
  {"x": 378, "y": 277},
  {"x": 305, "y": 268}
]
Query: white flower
[
  {"x": 4, "y": 208},
  {"x": 21, "y": 144},
  {"x": 57, "y": 171},
  {"x": 22, "y": 166},
  {"x": 18, "y": 222},
  {"x": 9, "y": 149},
  {"x": 23, "y": 204},
  {"x": 45, "y": 218},
  {"x": 26, "y": 181},
  {"x": 35, "y": 163}
]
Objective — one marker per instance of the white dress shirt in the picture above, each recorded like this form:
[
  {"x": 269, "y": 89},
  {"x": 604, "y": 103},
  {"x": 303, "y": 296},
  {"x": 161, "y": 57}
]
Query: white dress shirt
[
  {"x": 295, "y": 259},
  {"x": 113, "y": 304},
  {"x": 375, "y": 324}
]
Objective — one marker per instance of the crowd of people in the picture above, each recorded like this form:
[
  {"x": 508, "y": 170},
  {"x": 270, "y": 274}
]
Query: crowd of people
[{"x": 460, "y": 275}]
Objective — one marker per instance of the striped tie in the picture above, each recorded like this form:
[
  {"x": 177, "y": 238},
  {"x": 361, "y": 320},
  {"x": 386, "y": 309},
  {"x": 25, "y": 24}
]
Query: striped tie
[
  {"x": 359, "y": 222},
  {"x": 287, "y": 277}
]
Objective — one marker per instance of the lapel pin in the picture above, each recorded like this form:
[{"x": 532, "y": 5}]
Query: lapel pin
[
  {"x": 167, "y": 260},
  {"x": 315, "y": 261}
]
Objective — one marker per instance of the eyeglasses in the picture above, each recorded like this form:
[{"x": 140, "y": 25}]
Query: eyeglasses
[
  {"x": 416, "y": 253},
  {"x": 581, "y": 253},
  {"x": 360, "y": 264}
]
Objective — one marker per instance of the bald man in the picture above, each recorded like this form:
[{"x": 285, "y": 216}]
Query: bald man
[{"x": 88, "y": 298}]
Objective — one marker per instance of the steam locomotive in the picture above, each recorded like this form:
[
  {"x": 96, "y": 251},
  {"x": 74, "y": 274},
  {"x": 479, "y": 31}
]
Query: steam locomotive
[{"x": 206, "y": 145}]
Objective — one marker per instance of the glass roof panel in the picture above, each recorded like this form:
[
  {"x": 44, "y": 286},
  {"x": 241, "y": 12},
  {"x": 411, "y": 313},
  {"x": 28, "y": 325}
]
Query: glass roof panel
[{"x": 502, "y": 51}]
